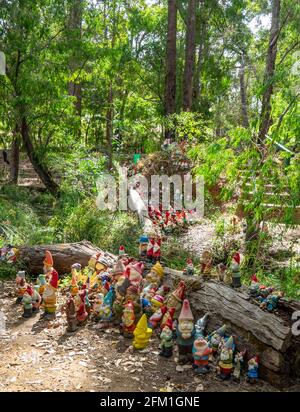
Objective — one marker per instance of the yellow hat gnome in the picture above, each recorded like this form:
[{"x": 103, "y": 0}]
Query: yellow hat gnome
[{"x": 141, "y": 333}]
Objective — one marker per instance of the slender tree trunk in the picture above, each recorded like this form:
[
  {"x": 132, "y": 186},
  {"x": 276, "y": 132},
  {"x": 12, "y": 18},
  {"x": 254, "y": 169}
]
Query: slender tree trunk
[
  {"x": 170, "y": 85},
  {"x": 265, "y": 118},
  {"x": 190, "y": 51},
  {"x": 15, "y": 156},
  {"x": 109, "y": 124},
  {"x": 40, "y": 169},
  {"x": 243, "y": 94},
  {"x": 75, "y": 28},
  {"x": 200, "y": 57}
]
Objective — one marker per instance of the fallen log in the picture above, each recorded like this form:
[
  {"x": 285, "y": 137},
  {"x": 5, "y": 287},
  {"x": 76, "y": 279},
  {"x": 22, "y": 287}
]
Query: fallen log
[
  {"x": 64, "y": 255},
  {"x": 265, "y": 334}
]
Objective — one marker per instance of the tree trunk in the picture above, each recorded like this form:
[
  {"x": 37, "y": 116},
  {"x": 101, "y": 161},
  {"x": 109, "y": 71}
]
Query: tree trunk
[
  {"x": 243, "y": 94},
  {"x": 190, "y": 50},
  {"x": 170, "y": 86},
  {"x": 40, "y": 169},
  {"x": 200, "y": 59},
  {"x": 265, "y": 334},
  {"x": 265, "y": 118},
  {"x": 109, "y": 125},
  {"x": 15, "y": 157},
  {"x": 75, "y": 27},
  {"x": 64, "y": 255}
]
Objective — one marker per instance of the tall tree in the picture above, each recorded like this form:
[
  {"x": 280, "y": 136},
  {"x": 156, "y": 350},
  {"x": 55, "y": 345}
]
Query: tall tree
[
  {"x": 243, "y": 93},
  {"x": 170, "y": 86},
  {"x": 190, "y": 51},
  {"x": 265, "y": 117}
]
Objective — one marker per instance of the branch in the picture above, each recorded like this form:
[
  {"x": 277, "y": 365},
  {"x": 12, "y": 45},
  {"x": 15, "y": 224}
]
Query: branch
[
  {"x": 288, "y": 51},
  {"x": 286, "y": 111}
]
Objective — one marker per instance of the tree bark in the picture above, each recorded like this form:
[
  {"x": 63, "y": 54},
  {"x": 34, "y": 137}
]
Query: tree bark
[
  {"x": 201, "y": 51},
  {"x": 109, "y": 125},
  {"x": 40, "y": 169},
  {"x": 190, "y": 50},
  {"x": 243, "y": 94},
  {"x": 265, "y": 118},
  {"x": 64, "y": 255},
  {"x": 170, "y": 85},
  {"x": 15, "y": 156}
]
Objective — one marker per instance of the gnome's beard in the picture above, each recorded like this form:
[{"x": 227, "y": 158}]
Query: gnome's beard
[
  {"x": 186, "y": 328},
  {"x": 225, "y": 355}
]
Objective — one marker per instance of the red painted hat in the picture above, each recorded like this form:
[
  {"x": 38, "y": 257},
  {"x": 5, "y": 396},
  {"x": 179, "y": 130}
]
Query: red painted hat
[
  {"x": 169, "y": 323},
  {"x": 179, "y": 293},
  {"x": 237, "y": 257},
  {"x": 186, "y": 313},
  {"x": 54, "y": 279},
  {"x": 29, "y": 290}
]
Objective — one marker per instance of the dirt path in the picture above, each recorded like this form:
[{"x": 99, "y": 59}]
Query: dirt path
[{"x": 40, "y": 356}]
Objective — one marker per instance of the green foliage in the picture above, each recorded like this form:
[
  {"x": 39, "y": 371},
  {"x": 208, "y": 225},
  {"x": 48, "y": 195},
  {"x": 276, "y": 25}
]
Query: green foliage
[{"x": 175, "y": 256}]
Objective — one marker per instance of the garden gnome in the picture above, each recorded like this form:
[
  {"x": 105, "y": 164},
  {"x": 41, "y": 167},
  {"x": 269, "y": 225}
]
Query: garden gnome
[
  {"x": 118, "y": 271},
  {"x": 201, "y": 352},
  {"x": 74, "y": 286},
  {"x": 156, "y": 249},
  {"x": 105, "y": 312},
  {"x": 238, "y": 363},
  {"x": 134, "y": 272},
  {"x": 48, "y": 266},
  {"x": 21, "y": 285},
  {"x": 221, "y": 269},
  {"x": 128, "y": 320},
  {"x": 174, "y": 300},
  {"x": 235, "y": 270},
  {"x": 150, "y": 247},
  {"x": 206, "y": 263},
  {"x": 185, "y": 333},
  {"x": 118, "y": 305},
  {"x": 215, "y": 339},
  {"x": 141, "y": 333},
  {"x": 143, "y": 246},
  {"x": 49, "y": 295},
  {"x": 71, "y": 315},
  {"x": 157, "y": 316},
  {"x": 36, "y": 299},
  {"x": 27, "y": 302},
  {"x": 168, "y": 317},
  {"x": 189, "y": 270},
  {"x": 81, "y": 313},
  {"x": 97, "y": 304},
  {"x": 156, "y": 274},
  {"x": 200, "y": 326},
  {"x": 42, "y": 284},
  {"x": 121, "y": 251},
  {"x": 252, "y": 374},
  {"x": 132, "y": 295},
  {"x": 166, "y": 339},
  {"x": 226, "y": 360}
]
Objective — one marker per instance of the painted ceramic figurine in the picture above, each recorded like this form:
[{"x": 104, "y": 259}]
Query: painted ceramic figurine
[
  {"x": 200, "y": 326},
  {"x": 134, "y": 272},
  {"x": 157, "y": 316},
  {"x": 143, "y": 246},
  {"x": 185, "y": 333},
  {"x": 118, "y": 271},
  {"x": 156, "y": 274},
  {"x": 49, "y": 295},
  {"x": 235, "y": 270},
  {"x": 36, "y": 299},
  {"x": 167, "y": 317},
  {"x": 252, "y": 374},
  {"x": 157, "y": 249},
  {"x": 189, "y": 270},
  {"x": 141, "y": 333},
  {"x": 21, "y": 285},
  {"x": 97, "y": 305},
  {"x": 48, "y": 266},
  {"x": 201, "y": 352},
  {"x": 175, "y": 299},
  {"x": 74, "y": 286},
  {"x": 133, "y": 296},
  {"x": 105, "y": 313},
  {"x": 215, "y": 339},
  {"x": 128, "y": 320},
  {"x": 41, "y": 281},
  {"x": 238, "y": 364},
  {"x": 71, "y": 315},
  {"x": 81, "y": 313},
  {"x": 27, "y": 302},
  {"x": 226, "y": 360},
  {"x": 166, "y": 339},
  {"x": 270, "y": 303},
  {"x": 206, "y": 263},
  {"x": 118, "y": 305}
]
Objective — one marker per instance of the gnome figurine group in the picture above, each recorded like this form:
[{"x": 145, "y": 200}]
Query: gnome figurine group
[{"x": 185, "y": 333}]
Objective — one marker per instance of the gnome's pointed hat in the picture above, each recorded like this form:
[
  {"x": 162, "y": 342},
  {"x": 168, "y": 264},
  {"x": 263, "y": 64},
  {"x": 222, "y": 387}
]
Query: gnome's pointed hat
[
  {"x": 54, "y": 279},
  {"x": 118, "y": 268},
  {"x": 222, "y": 330},
  {"x": 121, "y": 250},
  {"x": 141, "y": 326},
  {"x": 229, "y": 343},
  {"x": 158, "y": 269},
  {"x": 237, "y": 257},
  {"x": 186, "y": 313},
  {"x": 169, "y": 324},
  {"x": 179, "y": 293},
  {"x": 48, "y": 258},
  {"x": 122, "y": 289},
  {"x": 29, "y": 290},
  {"x": 139, "y": 267},
  {"x": 254, "y": 278}
]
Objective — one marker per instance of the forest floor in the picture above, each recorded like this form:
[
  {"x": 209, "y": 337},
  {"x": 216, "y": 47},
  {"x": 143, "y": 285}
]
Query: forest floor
[{"x": 41, "y": 356}]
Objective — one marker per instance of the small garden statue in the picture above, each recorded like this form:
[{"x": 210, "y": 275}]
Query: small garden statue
[
  {"x": 252, "y": 374},
  {"x": 71, "y": 315},
  {"x": 157, "y": 316},
  {"x": 48, "y": 266},
  {"x": 143, "y": 246},
  {"x": 81, "y": 313},
  {"x": 215, "y": 339},
  {"x": 206, "y": 263},
  {"x": 141, "y": 333},
  {"x": 189, "y": 270},
  {"x": 200, "y": 326},
  {"x": 175, "y": 299},
  {"x": 156, "y": 249},
  {"x": 74, "y": 286},
  {"x": 41, "y": 281},
  {"x": 235, "y": 270},
  {"x": 105, "y": 313},
  {"x": 27, "y": 302},
  {"x": 128, "y": 320},
  {"x": 226, "y": 360},
  {"x": 201, "y": 352},
  {"x": 238, "y": 363},
  {"x": 166, "y": 339},
  {"x": 156, "y": 274},
  {"x": 49, "y": 295},
  {"x": 21, "y": 285},
  {"x": 185, "y": 333},
  {"x": 36, "y": 299},
  {"x": 167, "y": 318}
]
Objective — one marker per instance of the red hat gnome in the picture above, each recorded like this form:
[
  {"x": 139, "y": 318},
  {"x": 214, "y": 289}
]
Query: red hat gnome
[
  {"x": 175, "y": 299},
  {"x": 185, "y": 333},
  {"x": 166, "y": 339}
]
